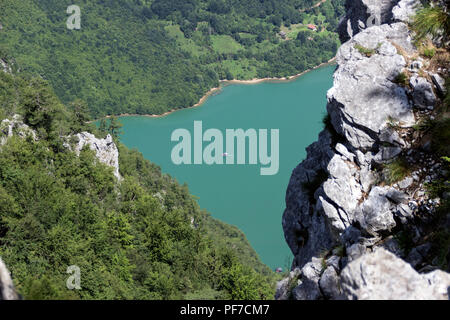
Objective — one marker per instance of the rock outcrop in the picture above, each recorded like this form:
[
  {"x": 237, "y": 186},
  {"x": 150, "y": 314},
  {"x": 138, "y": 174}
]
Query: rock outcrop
[
  {"x": 338, "y": 215},
  {"x": 405, "y": 9},
  {"x": 7, "y": 290},
  {"x": 8, "y": 128},
  {"x": 382, "y": 276},
  {"x": 105, "y": 150},
  {"x": 361, "y": 14}
]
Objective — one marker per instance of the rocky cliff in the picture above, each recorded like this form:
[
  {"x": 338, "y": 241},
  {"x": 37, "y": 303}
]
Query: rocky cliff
[
  {"x": 343, "y": 221},
  {"x": 105, "y": 149}
]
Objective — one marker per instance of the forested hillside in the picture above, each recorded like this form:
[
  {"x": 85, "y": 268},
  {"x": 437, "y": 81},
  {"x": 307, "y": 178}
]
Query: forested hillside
[
  {"x": 143, "y": 56},
  {"x": 142, "y": 238}
]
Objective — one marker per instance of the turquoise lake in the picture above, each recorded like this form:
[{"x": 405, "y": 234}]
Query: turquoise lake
[{"x": 238, "y": 194}]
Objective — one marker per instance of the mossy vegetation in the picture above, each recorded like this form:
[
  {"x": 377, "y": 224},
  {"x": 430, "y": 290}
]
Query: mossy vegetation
[
  {"x": 365, "y": 51},
  {"x": 396, "y": 170},
  {"x": 402, "y": 79},
  {"x": 429, "y": 52}
]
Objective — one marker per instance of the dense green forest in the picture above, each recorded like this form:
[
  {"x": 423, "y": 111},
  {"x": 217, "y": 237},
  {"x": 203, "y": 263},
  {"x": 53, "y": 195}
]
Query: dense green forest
[
  {"x": 142, "y": 238},
  {"x": 144, "y": 56}
]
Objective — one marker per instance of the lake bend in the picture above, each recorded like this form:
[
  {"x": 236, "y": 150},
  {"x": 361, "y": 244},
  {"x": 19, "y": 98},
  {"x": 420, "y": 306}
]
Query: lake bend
[{"x": 223, "y": 147}]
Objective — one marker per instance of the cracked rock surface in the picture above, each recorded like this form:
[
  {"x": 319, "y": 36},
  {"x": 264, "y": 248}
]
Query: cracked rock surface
[{"x": 340, "y": 222}]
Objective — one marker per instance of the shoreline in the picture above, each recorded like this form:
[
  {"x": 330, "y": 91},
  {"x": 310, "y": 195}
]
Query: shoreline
[
  {"x": 217, "y": 90},
  {"x": 275, "y": 80}
]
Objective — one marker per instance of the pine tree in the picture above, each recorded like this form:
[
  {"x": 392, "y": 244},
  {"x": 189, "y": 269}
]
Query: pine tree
[{"x": 115, "y": 128}]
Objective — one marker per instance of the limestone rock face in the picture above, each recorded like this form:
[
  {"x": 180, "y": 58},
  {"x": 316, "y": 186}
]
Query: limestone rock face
[
  {"x": 359, "y": 82},
  {"x": 339, "y": 209},
  {"x": 361, "y": 14},
  {"x": 105, "y": 149},
  {"x": 306, "y": 233},
  {"x": 382, "y": 276},
  {"x": 7, "y": 291},
  {"x": 362, "y": 81},
  {"x": 376, "y": 212},
  {"x": 405, "y": 9}
]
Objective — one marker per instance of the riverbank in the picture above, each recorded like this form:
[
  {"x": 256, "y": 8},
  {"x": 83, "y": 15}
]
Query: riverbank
[{"x": 216, "y": 90}]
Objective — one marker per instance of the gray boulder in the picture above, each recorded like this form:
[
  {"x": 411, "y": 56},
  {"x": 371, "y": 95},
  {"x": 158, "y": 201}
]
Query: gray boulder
[
  {"x": 382, "y": 276},
  {"x": 329, "y": 284},
  {"x": 341, "y": 149},
  {"x": 347, "y": 215},
  {"x": 355, "y": 251},
  {"x": 405, "y": 9},
  {"x": 423, "y": 95},
  {"x": 406, "y": 183},
  {"x": 375, "y": 214},
  {"x": 309, "y": 289}
]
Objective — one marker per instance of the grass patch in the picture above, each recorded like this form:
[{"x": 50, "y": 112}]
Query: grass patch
[
  {"x": 225, "y": 44},
  {"x": 423, "y": 125},
  {"x": 401, "y": 79},
  {"x": 340, "y": 251},
  {"x": 429, "y": 52},
  {"x": 291, "y": 286},
  {"x": 241, "y": 69},
  {"x": 396, "y": 171},
  {"x": 365, "y": 51}
]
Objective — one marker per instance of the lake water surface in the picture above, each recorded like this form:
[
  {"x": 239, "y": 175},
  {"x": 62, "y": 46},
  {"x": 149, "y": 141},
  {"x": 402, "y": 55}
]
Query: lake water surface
[{"x": 238, "y": 194}]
